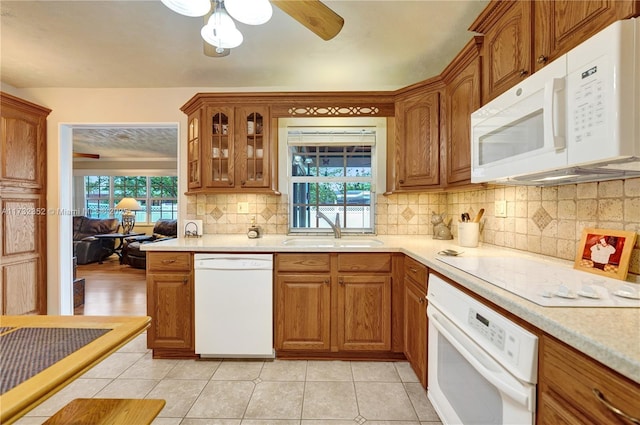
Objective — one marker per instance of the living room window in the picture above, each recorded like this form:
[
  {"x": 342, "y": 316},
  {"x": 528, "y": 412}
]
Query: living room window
[
  {"x": 157, "y": 195},
  {"x": 332, "y": 172}
]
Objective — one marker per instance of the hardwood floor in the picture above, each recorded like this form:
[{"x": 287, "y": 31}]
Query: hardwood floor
[{"x": 112, "y": 289}]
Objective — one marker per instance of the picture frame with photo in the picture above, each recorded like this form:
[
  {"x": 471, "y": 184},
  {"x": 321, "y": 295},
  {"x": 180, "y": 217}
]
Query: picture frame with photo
[{"x": 606, "y": 252}]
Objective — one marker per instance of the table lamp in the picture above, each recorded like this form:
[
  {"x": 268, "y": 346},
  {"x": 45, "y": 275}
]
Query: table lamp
[{"x": 128, "y": 205}]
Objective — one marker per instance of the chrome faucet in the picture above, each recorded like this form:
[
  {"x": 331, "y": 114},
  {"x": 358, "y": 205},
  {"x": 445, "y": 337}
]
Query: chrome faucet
[{"x": 334, "y": 226}]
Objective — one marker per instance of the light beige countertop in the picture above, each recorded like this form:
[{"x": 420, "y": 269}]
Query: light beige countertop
[{"x": 609, "y": 335}]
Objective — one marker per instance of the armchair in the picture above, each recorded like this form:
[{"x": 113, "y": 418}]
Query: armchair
[{"x": 131, "y": 253}]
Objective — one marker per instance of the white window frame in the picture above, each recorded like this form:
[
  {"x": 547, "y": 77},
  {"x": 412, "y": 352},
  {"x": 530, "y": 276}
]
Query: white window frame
[{"x": 339, "y": 136}]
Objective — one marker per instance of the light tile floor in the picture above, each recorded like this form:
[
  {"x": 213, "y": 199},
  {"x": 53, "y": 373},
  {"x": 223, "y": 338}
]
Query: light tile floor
[{"x": 253, "y": 392}]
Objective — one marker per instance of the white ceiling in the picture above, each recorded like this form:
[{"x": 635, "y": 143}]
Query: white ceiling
[{"x": 384, "y": 45}]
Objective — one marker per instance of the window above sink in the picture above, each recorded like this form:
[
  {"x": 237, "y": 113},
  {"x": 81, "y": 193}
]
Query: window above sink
[{"x": 331, "y": 174}]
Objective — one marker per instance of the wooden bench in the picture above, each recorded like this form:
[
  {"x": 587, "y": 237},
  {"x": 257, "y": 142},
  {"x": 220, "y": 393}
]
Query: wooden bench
[{"x": 107, "y": 411}]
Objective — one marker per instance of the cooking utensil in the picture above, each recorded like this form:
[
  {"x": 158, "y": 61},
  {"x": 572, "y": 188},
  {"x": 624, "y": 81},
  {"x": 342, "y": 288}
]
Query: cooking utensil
[
  {"x": 478, "y": 216},
  {"x": 465, "y": 217},
  {"x": 450, "y": 252}
]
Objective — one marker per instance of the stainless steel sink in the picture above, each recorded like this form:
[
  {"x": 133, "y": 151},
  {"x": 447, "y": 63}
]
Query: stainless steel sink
[{"x": 321, "y": 242}]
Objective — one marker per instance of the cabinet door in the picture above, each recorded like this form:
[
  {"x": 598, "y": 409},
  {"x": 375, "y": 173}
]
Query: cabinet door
[
  {"x": 462, "y": 98},
  {"x": 561, "y": 25},
  {"x": 194, "y": 163},
  {"x": 583, "y": 387},
  {"x": 507, "y": 50},
  {"x": 170, "y": 305},
  {"x": 219, "y": 151},
  {"x": 253, "y": 153},
  {"x": 303, "y": 312},
  {"x": 364, "y": 313},
  {"x": 418, "y": 141},
  {"x": 415, "y": 329}
]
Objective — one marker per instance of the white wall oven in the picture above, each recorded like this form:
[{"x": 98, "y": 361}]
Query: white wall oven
[{"x": 482, "y": 366}]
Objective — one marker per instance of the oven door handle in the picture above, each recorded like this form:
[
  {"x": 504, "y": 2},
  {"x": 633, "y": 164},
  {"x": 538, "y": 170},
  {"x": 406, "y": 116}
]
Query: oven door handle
[{"x": 485, "y": 365}]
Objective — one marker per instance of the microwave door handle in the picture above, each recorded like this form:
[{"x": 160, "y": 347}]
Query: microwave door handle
[
  {"x": 485, "y": 365},
  {"x": 552, "y": 110}
]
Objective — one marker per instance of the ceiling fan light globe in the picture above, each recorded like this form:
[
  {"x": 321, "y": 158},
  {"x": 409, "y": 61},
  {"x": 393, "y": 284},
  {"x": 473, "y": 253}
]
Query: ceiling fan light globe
[
  {"x": 250, "y": 12},
  {"x": 219, "y": 37},
  {"x": 190, "y": 8}
]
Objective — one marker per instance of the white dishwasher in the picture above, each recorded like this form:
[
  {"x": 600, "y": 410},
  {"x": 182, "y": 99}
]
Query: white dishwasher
[{"x": 234, "y": 305}]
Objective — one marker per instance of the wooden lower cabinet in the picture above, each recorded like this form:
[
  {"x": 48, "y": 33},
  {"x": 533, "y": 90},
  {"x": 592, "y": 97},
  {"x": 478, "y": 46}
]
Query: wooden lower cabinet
[
  {"x": 575, "y": 389},
  {"x": 364, "y": 313},
  {"x": 341, "y": 304},
  {"x": 303, "y": 311},
  {"x": 415, "y": 317},
  {"x": 170, "y": 304}
]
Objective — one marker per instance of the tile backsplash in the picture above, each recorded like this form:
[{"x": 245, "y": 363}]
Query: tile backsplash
[{"x": 546, "y": 221}]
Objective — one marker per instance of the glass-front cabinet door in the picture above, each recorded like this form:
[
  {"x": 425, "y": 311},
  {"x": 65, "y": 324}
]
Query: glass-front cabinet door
[
  {"x": 220, "y": 152},
  {"x": 193, "y": 145},
  {"x": 253, "y": 145}
]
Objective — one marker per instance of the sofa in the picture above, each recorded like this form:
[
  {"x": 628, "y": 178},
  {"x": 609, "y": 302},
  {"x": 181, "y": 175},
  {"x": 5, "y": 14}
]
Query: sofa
[
  {"x": 131, "y": 253},
  {"x": 88, "y": 249}
]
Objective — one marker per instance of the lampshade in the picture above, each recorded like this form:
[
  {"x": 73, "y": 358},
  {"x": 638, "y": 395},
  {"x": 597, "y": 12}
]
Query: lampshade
[
  {"x": 128, "y": 204},
  {"x": 250, "y": 12},
  {"x": 220, "y": 30},
  {"x": 189, "y": 7}
]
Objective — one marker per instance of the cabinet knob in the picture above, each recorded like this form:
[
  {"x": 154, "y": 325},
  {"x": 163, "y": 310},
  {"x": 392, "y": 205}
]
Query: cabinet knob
[
  {"x": 401, "y": 181},
  {"x": 523, "y": 72},
  {"x": 230, "y": 182},
  {"x": 242, "y": 182},
  {"x": 413, "y": 270},
  {"x": 168, "y": 261},
  {"x": 326, "y": 281},
  {"x": 542, "y": 59},
  {"x": 185, "y": 280},
  {"x": 341, "y": 281},
  {"x": 421, "y": 300},
  {"x": 598, "y": 394}
]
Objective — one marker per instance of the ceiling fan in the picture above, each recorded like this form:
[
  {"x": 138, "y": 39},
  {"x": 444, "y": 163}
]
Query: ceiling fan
[
  {"x": 86, "y": 155},
  {"x": 221, "y": 35}
]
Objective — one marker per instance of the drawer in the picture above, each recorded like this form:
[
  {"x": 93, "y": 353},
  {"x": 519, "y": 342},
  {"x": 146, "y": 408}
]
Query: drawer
[
  {"x": 303, "y": 262},
  {"x": 364, "y": 262},
  {"x": 169, "y": 261},
  {"x": 574, "y": 377},
  {"x": 416, "y": 271}
]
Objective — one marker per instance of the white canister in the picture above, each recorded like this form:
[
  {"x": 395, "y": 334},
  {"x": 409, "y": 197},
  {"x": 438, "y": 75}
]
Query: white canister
[
  {"x": 250, "y": 127},
  {"x": 468, "y": 234}
]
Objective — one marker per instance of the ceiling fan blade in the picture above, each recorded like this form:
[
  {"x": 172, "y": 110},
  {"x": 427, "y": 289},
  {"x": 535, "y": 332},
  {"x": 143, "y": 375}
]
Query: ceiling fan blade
[
  {"x": 86, "y": 155},
  {"x": 314, "y": 15}
]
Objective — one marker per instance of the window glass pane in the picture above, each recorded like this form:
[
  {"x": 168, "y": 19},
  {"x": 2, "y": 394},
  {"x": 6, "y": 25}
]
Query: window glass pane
[
  {"x": 161, "y": 201},
  {"x": 335, "y": 180},
  {"x": 331, "y": 162},
  {"x": 164, "y": 187}
]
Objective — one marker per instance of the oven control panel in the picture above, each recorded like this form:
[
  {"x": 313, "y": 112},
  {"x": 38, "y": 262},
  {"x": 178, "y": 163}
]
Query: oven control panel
[{"x": 487, "y": 328}]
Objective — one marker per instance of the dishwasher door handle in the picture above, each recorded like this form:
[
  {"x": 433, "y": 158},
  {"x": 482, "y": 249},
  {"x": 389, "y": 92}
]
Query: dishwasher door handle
[{"x": 233, "y": 263}]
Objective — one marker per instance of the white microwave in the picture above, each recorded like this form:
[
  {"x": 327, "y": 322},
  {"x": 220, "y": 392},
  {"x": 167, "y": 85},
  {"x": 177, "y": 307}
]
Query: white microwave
[{"x": 577, "y": 119}]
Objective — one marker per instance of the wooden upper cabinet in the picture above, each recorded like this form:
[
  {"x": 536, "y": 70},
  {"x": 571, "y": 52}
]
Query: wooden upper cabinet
[
  {"x": 561, "y": 25},
  {"x": 23, "y": 152},
  {"x": 219, "y": 151},
  {"x": 462, "y": 97},
  {"x": 231, "y": 147},
  {"x": 507, "y": 30},
  {"x": 194, "y": 155},
  {"x": 418, "y": 141},
  {"x": 252, "y": 139}
]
